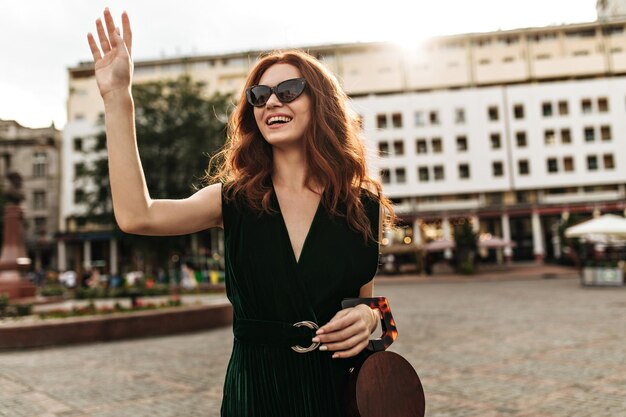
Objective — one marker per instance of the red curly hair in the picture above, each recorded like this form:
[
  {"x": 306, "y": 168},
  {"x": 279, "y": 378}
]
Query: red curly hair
[{"x": 334, "y": 152}]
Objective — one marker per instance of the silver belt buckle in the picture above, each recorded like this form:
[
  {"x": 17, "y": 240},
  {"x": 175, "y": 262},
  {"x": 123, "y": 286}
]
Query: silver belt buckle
[{"x": 314, "y": 345}]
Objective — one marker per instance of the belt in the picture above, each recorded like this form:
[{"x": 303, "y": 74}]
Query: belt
[{"x": 276, "y": 333}]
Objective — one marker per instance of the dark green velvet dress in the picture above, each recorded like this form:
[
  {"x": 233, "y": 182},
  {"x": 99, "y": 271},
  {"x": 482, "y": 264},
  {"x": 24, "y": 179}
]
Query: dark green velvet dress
[{"x": 264, "y": 282}]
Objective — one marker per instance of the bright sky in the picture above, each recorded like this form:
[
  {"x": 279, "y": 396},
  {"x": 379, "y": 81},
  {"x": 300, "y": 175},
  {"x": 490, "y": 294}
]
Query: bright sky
[{"x": 40, "y": 39}]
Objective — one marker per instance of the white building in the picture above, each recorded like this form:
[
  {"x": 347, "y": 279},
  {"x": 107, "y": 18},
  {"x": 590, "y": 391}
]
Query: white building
[{"x": 511, "y": 129}]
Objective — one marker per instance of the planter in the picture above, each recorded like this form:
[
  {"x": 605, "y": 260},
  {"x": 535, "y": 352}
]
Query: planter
[
  {"x": 602, "y": 276},
  {"x": 116, "y": 326}
]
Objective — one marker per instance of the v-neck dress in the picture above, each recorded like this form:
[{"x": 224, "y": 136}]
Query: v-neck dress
[{"x": 264, "y": 282}]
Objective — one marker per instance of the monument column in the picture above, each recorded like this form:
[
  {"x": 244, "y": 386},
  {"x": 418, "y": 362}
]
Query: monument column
[{"x": 14, "y": 260}]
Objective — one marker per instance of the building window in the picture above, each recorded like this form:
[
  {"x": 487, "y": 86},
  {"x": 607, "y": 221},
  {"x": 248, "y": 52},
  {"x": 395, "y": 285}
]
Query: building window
[
  {"x": 592, "y": 163},
  {"x": 493, "y": 113},
  {"x": 400, "y": 175},
  {"x": 566, "y": 136},
  {"x": 612, "y": 30},
  {"x": 383, "y": 149},
  {"x": 381, "y": 121},
  {"x": 581, "y": 33},
  {"x": 437, "y": 145},
  {"x": 546, "y": 109},
  {"x": 39, "y": 200},
  {"x": 553, "y": 165},
  {"x": 520, "y": 138},
  {"x": 421, "y": 146},
  {"x": 396, "y": 120},
  {"x": 549, "y": 138},
  {"x": 590, "y": 134},
  {"x": 461, "y": 143},
  {"x": 422, "y": 174},
  {"x": 522, "y": 167},
  {"x": 40, "y": 225},
  {"x": 398, "y": 148},
  {"x": 78, "y": 144},
  {"x": 464, "y": 171},
  {"x": 497, "y": 169},
  {"x": 419, "y": 118},
  {"x": 603, "y": 105},
  {"x": 385, "y": 176},
  {"x": 439, "y": 173},
  {"x": 79, "y": 196},
  {"x": 608, "y": 161},
  {"x": 563, "y": 108},
  {"x": 459, "y": 116},
  {"x": 40, "y": 164},
  {"x": 568, "y": 164},
  {"x": 496, "y": 143},
  {"x": 433, "y": 116},
  {"x": 585, "y": 106},
  {"x": 518, "y": 111},
  {"x": 79, "y": 170},
  {"x": 605, "y": 133}
]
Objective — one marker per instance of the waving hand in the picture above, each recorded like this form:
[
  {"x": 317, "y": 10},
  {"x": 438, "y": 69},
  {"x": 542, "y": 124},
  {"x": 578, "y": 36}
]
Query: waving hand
[{"x": 113, "y": 64}]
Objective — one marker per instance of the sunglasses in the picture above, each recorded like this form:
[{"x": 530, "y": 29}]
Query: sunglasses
[{"x": 286, "y": 92}]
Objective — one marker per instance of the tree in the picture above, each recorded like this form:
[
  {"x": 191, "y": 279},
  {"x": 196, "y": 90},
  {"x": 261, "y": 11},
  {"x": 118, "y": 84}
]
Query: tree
[
  {"x": 178, "y": 129},
  {"x": 466, "y": 243},
  {"x": 572, "y": 249}
]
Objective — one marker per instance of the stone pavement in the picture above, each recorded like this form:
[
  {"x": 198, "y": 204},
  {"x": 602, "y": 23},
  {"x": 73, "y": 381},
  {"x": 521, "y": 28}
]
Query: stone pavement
[{"x": 523, "y": 348}]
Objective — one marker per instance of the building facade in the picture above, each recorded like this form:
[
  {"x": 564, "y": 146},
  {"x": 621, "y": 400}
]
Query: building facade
[
  {"x": 35, "y": 155},
  {"x": 512, "y": 130}
]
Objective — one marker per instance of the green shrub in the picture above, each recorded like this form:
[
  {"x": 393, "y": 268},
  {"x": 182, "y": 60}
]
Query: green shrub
[
  {"x": 467, "y": 268},
  {"x": 23, "y": 309},
  {"x": 52, "y": 290},
  {"x": 4, "y": 303}
]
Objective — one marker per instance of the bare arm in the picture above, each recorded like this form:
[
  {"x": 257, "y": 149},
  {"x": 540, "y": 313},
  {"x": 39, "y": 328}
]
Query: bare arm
[{"x": 135, "y": 211}]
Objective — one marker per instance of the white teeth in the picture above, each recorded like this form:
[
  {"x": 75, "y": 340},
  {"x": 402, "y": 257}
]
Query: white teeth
[{"x": 275, "y": 119}]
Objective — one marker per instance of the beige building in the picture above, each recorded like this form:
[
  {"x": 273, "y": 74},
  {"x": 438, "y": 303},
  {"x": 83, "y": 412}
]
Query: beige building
[
  {"x": 35, "y": 155},
  {"x": 510, "y": 128}
]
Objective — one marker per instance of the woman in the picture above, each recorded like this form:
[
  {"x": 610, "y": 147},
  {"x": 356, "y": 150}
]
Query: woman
[{"x": 300, "y": 218}]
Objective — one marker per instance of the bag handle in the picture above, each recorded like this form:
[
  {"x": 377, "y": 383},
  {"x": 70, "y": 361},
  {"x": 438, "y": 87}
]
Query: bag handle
[{"x": 388, "y": 324}]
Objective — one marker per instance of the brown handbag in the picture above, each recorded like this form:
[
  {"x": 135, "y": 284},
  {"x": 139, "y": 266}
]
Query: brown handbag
[{"x": 382, "y": 383}]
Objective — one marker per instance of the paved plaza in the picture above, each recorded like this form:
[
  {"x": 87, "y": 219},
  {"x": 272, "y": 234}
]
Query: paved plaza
[{"x": 523, "y": 348}]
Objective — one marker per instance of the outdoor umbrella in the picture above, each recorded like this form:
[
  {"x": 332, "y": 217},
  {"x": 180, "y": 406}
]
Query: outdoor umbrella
[{"x": 608, "y": 225}]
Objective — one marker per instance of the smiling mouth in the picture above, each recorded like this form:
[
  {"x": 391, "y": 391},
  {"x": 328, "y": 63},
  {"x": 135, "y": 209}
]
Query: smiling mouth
[{"x": 278, "y": 120}]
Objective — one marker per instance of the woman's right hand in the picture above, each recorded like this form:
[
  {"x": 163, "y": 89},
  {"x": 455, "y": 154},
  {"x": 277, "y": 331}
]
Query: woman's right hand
[{"x": 113, "y": 66}]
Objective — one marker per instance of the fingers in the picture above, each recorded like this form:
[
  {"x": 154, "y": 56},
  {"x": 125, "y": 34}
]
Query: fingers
[
  {"x": 339, "y": 321},
  {"x": 351, "y": 348},
  {"x": 104, "y": 41},
  {"x": 355, "y": 328},
  {"x": 95, "y": 51},
  {"x": 128, "y": 34},
  {"x": 110, "y": 37},
  {"x": 108, "y": 20}
]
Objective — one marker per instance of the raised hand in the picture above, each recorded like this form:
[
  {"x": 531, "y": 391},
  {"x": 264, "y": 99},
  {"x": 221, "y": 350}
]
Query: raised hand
[{"x": 113, "y": 65}]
